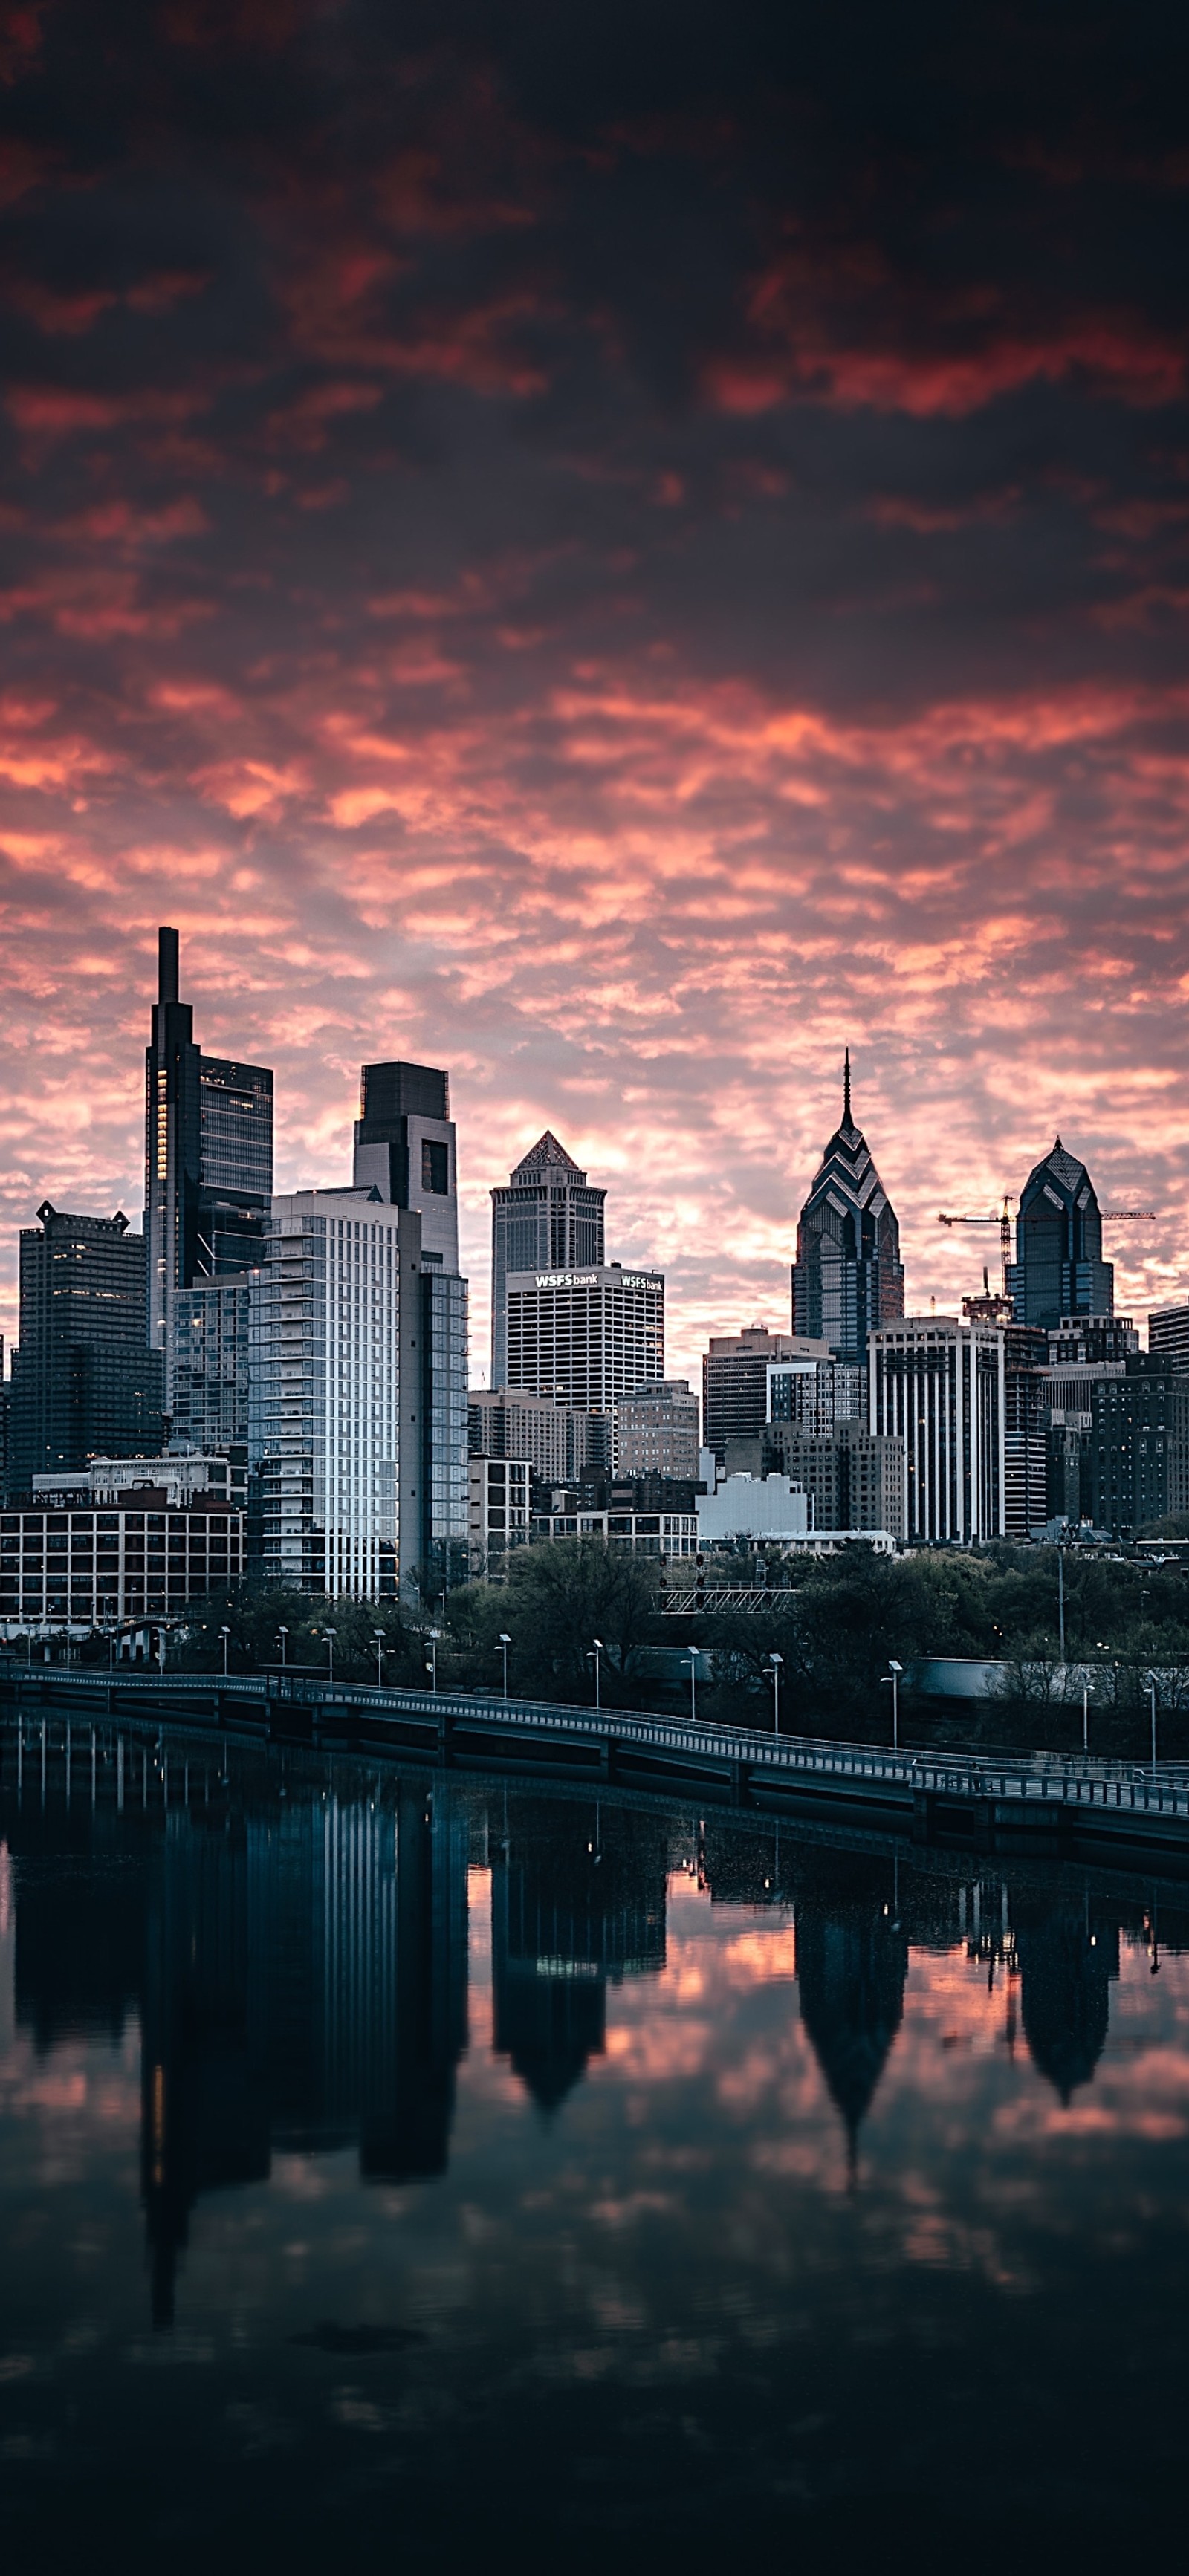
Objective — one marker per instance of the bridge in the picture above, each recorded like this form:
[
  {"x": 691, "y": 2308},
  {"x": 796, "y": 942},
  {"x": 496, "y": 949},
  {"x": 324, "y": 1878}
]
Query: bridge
[{"x": 1059, "y": 1803}]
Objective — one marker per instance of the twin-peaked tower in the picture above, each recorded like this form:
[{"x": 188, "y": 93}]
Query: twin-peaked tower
[{"x": 848, "y": 1277}]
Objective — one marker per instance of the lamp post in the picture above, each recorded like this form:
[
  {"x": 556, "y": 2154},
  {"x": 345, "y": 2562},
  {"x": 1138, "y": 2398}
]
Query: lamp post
[
  {"x": 282, "y": 1634},
  {"x": 774, "y": 1666},
  {"x": 432, "y": 1665},
  {"x": 504, "y": 1643},
  {"x": 330, "y": 1635},
  {"x": 598, "y": 1650},
  {"x": 1150, "y": 1687},
  {"x": 892, "y": 1675},
  {"x": 378, "y": 1634},
  {"x": 1085, "y": 1717},
  {"x": 692, "y": 1653},
  {"x": 225, "y": 1634}
]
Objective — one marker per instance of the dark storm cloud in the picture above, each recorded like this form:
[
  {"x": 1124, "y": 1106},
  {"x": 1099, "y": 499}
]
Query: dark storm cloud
[{"x": 620, "y": 552}]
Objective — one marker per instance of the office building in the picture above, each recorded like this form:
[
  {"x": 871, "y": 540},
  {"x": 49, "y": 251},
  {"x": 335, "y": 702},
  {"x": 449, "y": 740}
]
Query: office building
[
  {"x": 938, "y": 1386},
  {"x": 655, "y": 1431},
  {"x": 853, "y": 1478},
  {"x": 208, "y": 1158},
  {"x": 548, "y": 1218},
  {"x": 848, "y": 1278},
  {"x": 406, "y": 1149},
  {"x": 500, "y": 1501},
  {"x": 136, "y": 1555},
  {"x": 210, "y": 1364},
  {"x": 1168, "y": 1337},
  {"x": 1058, "y": 1271},
  {"x": 337, "y": 1440},
  {"x": 816, "y": 1393},
  {"x": 1025, "y": 1428},
  {"x": 85, "y": 1383},
  {"x": 1139, "y": 1446},
  {"x": 557, "y": 1439},
  {"x": 585, "y": 1337},
  {"x": 735, "y": 1381}
]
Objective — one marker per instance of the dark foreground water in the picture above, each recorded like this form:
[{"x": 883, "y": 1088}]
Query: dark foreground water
[{"x": 417, "y": 2172}]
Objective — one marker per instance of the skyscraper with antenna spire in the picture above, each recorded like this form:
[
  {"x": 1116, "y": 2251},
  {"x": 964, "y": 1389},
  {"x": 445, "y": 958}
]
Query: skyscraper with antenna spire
[{"x": 848, "y": 1277}]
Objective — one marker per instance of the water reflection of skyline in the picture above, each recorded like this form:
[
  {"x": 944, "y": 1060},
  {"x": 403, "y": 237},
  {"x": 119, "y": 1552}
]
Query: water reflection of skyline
[{"x": 298, "y": 1964}]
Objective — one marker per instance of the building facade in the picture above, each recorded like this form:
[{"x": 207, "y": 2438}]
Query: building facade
[
  {"x": 556, "y": 1439},
  {"x": 210, "y": 1363},
  {"x": 938, "y": 1386},
  {"x": 1025, "y": 1430},
  {"x": 585, "y": 1337},
  {"x": 1139, "y": 1446},
  {"x": 655, "y": 1431},
  {"x": 735, "y": 1381},
  {"x": 548, "y": 1218},
  {"x": 1168, "y": 1337},
  {"x": 661, "y": 1532},
  {"x": 816, "y": 1393},
  {"x": 1058, "y": 1271},
  {"x": 848, "y": 1278},
  {"x": 223, "y": 1475},
  {"x": 853, "y": 1478},
  {"x": 500, "y": 1501},
  {"x": 208, "y": 1158},
  {"x": 136, "y": 1556},
  {"x": 85, "y": 1383},
  {"x": 406, "y": 1149},
  {"x": 337, "y": 1442}
]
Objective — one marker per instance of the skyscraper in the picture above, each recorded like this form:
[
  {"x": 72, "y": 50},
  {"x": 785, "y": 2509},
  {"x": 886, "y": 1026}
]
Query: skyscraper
[
  {"x": 1058, "y": 1269},
  {"x": 85, "y": 1382},
  {"x": 406, "y": 1149},
  {"x": 208, "y": 1158},
  {"x": 848, "y": 1277},
  {"x": 585, "y": 1337},
  {"x": 938, "y": 1386},
  {"x": 548, "y": 1218}
]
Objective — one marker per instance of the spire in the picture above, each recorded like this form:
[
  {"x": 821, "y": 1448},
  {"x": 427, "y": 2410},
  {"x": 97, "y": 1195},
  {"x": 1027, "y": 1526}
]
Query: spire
[
  {"x": 167, "y": 965},
  {"x": 846, "y": 1116}
]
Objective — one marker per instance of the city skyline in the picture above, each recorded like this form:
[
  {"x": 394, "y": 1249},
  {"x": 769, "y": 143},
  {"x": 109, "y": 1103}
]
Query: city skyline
[{"x": 623, "y": 576}]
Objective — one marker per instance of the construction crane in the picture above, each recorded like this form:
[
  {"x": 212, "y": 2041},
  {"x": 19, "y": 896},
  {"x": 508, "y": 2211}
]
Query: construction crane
[{"x": 1109, "y": 1216}]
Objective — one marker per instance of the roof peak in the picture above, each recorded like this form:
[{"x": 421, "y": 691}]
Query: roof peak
[{"x": 547, "y": 1151}]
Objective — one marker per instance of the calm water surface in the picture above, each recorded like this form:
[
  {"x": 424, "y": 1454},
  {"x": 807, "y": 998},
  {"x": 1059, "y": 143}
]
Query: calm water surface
[{"x": 419, "y": 2167}]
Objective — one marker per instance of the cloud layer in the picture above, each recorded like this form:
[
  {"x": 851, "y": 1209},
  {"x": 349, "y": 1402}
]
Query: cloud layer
[{"x": 618, "y": 560}]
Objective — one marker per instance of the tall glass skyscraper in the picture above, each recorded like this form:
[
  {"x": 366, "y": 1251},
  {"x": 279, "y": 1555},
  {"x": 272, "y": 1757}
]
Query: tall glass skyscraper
[
  {"x": 208, "y": 1158},
  {"x": 548, "y": 1218},
  {"x": 1058, "y": 1269},
  {"x": 85, "y": 1384},
  {"x": 406, "y": 1148},
  {"x": 848, "y": 1277}
]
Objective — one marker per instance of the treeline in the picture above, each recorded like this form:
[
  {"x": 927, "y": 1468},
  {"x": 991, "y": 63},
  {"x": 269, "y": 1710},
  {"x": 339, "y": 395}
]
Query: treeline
[{"x": 835, "y": 1623}]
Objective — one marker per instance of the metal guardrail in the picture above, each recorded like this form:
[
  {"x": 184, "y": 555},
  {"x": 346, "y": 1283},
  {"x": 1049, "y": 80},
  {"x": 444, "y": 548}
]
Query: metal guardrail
[{"x": 1061, "y": 1780}]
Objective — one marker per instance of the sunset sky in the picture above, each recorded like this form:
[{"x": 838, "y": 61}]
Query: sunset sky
[{"x": 618, "y": 552}]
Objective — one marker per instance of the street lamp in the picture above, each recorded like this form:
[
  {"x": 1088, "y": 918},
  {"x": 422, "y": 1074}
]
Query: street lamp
[
  {"x": 378, "y": 1634},
  {"x": 1150, "y": 1687},
  {"x": 692, "y": 1653},
  {"x": 774, "y": 1665},
  {"x": 330, "y": 1634},
  {"x": 892, "y": 1675},
  {"x": 504, "y": 1643},
  {"x": 599, "y": 1649},
  {"x": 282, "y": 1634},
  {"x": 432, "y": 1666},
  {"x": 225, "y": 1634}
]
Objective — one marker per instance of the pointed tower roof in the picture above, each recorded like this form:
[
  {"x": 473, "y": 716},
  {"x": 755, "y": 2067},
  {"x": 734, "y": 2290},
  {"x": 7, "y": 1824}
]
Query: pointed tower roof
[{"x": 548, "y": 1154}]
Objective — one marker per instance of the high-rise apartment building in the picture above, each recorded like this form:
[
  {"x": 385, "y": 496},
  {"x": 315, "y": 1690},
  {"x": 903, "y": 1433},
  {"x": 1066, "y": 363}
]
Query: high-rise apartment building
[
  {"x": 585, "y": 1337},
  {"x": 1025, "y": 1434},
  {"x": 406, "y": 1148},
  {"x": 938, "y": 1386},
  {"x": 337, "y": 1440},
  {"x": 1139, "y": 1446},
  {"x": 655, "y": 1431},
  {"x": 85, "y": 1383},
  {"x": 1168, "y": 1337},
  {"x": 210, "y": 1364},
  {"x": 848, "y": 1277},
  {"x": 735, "y": 1380},
  {"x": 548, "y": 1218},
  {"x": 1058, "y": 1270},
  {"x": 208, "y": 1158}
]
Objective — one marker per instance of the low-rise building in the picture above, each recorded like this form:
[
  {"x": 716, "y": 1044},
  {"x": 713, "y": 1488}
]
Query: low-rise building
[
  {"x": 180, "y": 1475},
  {"x": 133, "y": 1557},
  {"x": 624, "y": 1516},
  {"x": 753, "y": 1507},
  {"x": 501, "y": 1491}
]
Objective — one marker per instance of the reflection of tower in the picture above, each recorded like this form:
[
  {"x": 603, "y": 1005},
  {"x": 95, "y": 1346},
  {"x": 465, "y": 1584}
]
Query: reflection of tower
[
  {"x": 408, "y": 2096},
  {"x": 578, "y": 1902},
  {"x": 852, "y": 1963},
  {"x": 1068, "y": 1959}
]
